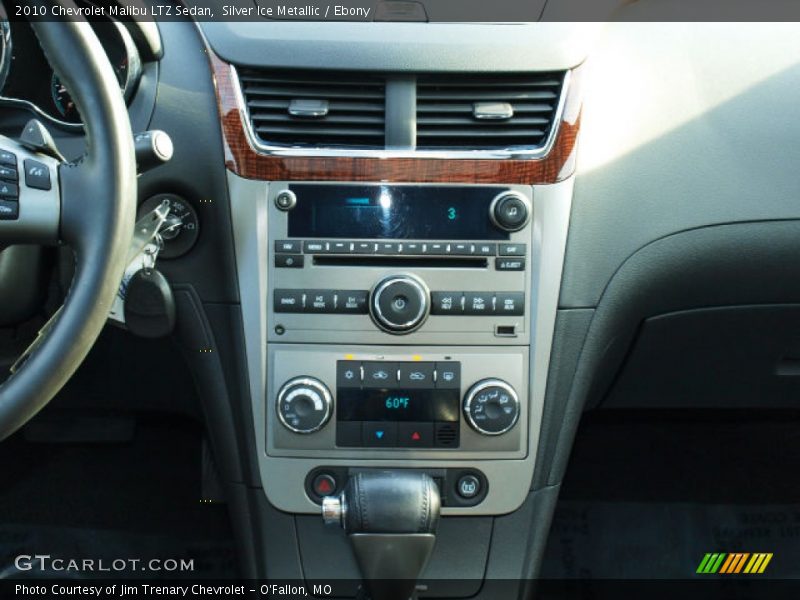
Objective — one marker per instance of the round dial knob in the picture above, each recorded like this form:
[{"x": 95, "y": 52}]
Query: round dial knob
[
  {"x": 304, "y": 405},
  {"x": 491, "y": 407},
  {"x": 399, "y": 304},
  {"x": 510, "y": 211}
]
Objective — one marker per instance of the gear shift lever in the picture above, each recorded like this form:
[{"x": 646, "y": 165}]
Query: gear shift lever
[{"x": 390, "y": 518}]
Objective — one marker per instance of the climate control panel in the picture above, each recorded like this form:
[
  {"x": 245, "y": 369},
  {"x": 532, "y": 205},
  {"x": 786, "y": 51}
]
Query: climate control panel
[{"x": 385, "y": 401}]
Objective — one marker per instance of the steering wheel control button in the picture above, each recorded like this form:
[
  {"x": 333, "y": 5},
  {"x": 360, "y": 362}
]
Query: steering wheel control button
[
  {"x": 289, "y": 261},
  {"x": 288, "y": 247},
  {"x": 415, "y": 435},
  {"x": 8, "y": 173},
  {"x": 468, "y": 486},
  {"x": 510, "y": 303},
  {"x": 479, "y": 303},
  {"x": 509, "y": 264},
  {"x": 380, "y": 375},
  {"x": 491, "y": 407},
  {"x": 8, "y": 158},
  {"x": 286, "y": 200},
  {"x": 510, "y": 211},
  {"x": 447, "y": 303},
  {"x": 379, "y": 434},
  {"x": 304, "y": 405},
  {"x": 289, "y": 301},
  {"x": 9, "y": 210},
  {"x": 36, "y": 137},
  {"x": 448, "y": 375},
  {"x": 37, "y": 174},
  {"x": 416, "y": 375},
  {"x": 399, "y": 304},
  {"x": 8, "y": 190}
]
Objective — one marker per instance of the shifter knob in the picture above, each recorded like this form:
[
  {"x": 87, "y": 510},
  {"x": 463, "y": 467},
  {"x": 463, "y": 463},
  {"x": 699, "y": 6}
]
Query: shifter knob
[{"x": 390, "y": 518}]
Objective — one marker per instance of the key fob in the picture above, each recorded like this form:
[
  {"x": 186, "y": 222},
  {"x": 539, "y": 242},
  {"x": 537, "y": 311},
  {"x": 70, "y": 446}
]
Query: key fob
[{"x": 149, "y": 305}]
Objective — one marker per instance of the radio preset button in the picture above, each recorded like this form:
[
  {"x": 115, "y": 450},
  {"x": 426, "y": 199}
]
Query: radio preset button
[
  {"x": 510, "y": 303},
  {"x": 379, "y": 434},
  {"x": 288, "y": 246},
  {"x": 509, "y": 264},
  {"x": 460, "y": 248},
  {"x": 416, "y": 374},
  {"x": 289, "y": 301},
  {"x": 513, "y": 249},
  {"x": 447, "y": 303},
  {"x": 435, "y": 248},
  {"x": 365, "y": 247},
  {"x": 448, "y": 375},
  {"x": 411, "y": 248},
  {"x": 388, "y": 248},
  {"x": 289, "y": 261},
  {"x": 319, "y": 301},
  {"x": 478, "y": 303},
  {"x": 378, "y": 374},
  {"x": 340, "y": 247},
  {"x": 351, "y": 302}
]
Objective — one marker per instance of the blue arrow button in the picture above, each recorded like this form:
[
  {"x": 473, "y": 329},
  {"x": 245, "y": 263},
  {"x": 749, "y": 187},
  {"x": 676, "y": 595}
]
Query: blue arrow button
[{"x": 379, "y": 434}]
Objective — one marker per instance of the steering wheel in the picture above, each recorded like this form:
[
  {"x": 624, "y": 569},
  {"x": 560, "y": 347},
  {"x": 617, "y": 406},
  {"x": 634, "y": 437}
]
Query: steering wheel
[{"x": 89, "y": 205}]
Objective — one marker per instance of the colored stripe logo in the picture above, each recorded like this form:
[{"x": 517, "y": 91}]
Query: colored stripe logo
[{"x": 734, "y": 563}]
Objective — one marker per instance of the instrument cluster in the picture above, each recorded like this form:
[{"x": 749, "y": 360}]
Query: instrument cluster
[{"x": 27, "y": 80}]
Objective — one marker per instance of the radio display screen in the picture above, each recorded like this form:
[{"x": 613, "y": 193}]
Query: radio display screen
[
  {"x": 394, "y": 211},
  {"x": 397, "y": 404}
]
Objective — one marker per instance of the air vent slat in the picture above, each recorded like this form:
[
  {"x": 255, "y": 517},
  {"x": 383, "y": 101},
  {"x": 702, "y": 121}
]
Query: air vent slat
[
  {"x": 352, "y": 108},
  {"x": 486, "y": 112}
]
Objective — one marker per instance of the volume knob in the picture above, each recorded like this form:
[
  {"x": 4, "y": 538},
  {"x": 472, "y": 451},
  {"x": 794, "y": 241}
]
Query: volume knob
[
  {"x": 304, "y": 405},
  {"x": 491, "y": 407},
  {"x": 399, "y": 304}
]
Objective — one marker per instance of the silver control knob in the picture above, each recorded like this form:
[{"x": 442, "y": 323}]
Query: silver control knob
[
  {"x": 399, "y": 304},
  {"x": 491, "y": 407},
  {"x": 333, "y": 510},
  {"x": 304, "y": 405},
  {"x": 510, "y": 211}
]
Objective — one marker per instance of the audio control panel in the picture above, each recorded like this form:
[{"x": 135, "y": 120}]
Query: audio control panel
[{"x": 399, "y": 263}]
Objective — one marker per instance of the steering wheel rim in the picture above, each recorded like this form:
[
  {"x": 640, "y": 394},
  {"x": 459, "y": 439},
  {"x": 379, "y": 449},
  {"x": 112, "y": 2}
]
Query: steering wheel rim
[{"x": 95, "y": 215}]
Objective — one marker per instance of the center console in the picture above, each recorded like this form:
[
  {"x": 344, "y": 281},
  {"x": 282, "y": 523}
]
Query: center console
[{"x": 398, "y": 325}]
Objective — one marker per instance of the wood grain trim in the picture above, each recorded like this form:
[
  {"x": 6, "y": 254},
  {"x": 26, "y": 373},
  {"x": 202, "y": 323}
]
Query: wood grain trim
[{"x": 245, "y": 161}]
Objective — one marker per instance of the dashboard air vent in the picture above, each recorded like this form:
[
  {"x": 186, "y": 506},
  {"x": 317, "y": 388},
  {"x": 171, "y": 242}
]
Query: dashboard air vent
[
  {"x": 486, "y": 112},
  {"x": 315, "y": 109}
]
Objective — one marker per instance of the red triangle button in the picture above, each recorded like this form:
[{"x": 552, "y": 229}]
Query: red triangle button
[{"x": 416, "y": 436}]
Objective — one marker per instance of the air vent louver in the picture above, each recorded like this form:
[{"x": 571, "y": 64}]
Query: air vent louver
[
  {"x": 470, "y": 112},
  {"x": 334, "y": 110}
]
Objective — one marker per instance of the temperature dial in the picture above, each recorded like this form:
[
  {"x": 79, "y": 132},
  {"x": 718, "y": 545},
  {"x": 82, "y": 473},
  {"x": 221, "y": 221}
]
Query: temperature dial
[
  {"x": 304, "y": 405},
  {"x": 491, "y": 407}
]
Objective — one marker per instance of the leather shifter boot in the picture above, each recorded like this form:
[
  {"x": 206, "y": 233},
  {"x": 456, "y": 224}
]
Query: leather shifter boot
[{"x": 390, "y": 518}]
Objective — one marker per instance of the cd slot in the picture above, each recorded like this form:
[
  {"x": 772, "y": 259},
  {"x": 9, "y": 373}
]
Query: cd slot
[{"x": 433, "y": 262}]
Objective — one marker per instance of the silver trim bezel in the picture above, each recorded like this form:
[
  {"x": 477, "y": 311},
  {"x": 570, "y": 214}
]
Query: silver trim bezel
[
  {"x": 531, "y": 153},
  {"x": 318, "y": 386},
  {"x": 482, "y": 385}
]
